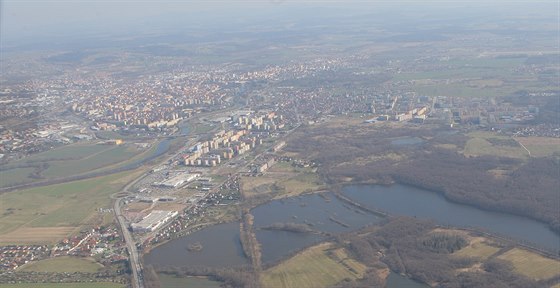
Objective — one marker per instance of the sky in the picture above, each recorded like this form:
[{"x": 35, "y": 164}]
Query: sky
[{"x": 24, "y": 20}]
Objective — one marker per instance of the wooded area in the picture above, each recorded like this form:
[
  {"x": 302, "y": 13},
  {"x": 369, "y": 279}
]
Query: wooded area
[{"x": 365, "y": 154}]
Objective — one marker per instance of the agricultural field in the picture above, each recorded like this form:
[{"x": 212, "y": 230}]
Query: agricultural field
[
  {"x": 96, "y": 161},
  {"x": 282, "y": 180},
  {"x": 488, "y": 143},
  {"x": 477, "y": 249},
  {"x": 57, "y": 208},
  {"x": 63, "y": 264},
  {"x": 15, "y": 176},
  {"x": 73, "y": 151},
  {"x": 318, "y": 266},
  {"x": 171, "y": 281},
  {"x": 64, "y": 285},
  {"x": 301, "y": 183},
  {"x": 37, "y": 235},
  {"x": 473, "y": 77},
  {"x": 66, "y": 161},
  {"x": 254, "y": 186},
  {"x": 540, "y": 146},
  {"x": 468, "y": 68},
  {"x": 531, "y": 264}
]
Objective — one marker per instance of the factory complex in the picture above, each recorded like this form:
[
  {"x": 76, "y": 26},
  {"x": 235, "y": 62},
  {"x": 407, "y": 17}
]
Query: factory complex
[{"x": 153, "y": 221}]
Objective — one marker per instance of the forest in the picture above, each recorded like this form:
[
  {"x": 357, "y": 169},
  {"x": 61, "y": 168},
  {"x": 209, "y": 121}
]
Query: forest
[
  {"x": 411, "y": 247},
  {"x": 362, "y": 154}
]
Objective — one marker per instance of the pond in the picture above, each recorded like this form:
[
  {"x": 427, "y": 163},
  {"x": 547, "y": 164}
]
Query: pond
[
  {"x": 416, "y": 202},
  {"x": 221, "y": 246}
]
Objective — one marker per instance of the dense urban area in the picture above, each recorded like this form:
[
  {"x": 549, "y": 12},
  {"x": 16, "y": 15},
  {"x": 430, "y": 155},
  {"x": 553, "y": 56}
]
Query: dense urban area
[{"x": 109, "y": 157}]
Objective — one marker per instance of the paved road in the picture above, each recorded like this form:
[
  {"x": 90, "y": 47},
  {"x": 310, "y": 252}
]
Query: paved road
[
  {"x": 134, "y": 258},
  {"x": 135, "y": 266}
]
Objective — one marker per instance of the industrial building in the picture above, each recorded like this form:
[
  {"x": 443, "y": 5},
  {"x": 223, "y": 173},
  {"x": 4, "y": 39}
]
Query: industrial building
[
  {"x": 178, "y": 180},
  {"x": 153, "y": 221}
]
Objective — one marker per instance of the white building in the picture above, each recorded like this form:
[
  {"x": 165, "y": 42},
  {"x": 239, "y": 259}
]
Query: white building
[{"x": 153, "y": 221}]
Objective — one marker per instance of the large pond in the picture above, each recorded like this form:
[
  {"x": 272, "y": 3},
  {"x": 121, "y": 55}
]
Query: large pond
[
  {"x": 221, "y": 246},
  {"x": 416, "y": 202},
  {"x": 328, "y": 215},
  {"x": 324, "y": 213}
]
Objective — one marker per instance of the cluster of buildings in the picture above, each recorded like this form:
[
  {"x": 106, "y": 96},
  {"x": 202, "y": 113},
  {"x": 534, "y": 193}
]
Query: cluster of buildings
[
  {"x": 263, "y": 164},
  {"x": 155, "y": 101},
  {"x": 480, "y": 111},
  {"x": 178, "y": 180},
  {"x": 99, "y": 241},
  {"x": 103, "y": 241},
  {"x": 41, "y": 136},
  {"x": 153, "y": 221},
  {"x": 542, "y": 130},
  {"x": 223, "y": 145},
  {"x": 13, "y": 256},
  {"x": 227, "y": 192},
  {"x": 261, "y": 121},
  {"x": 416, "y": 115}
]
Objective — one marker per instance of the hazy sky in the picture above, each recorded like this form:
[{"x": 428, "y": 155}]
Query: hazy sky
[{"x": 32, "y": 20}]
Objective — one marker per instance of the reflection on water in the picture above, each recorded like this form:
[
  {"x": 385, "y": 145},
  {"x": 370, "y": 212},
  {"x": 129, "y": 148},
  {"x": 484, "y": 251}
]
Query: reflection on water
[
  {"x": 221, "y": 245},
  {"x": 399, "y": 281},
  {"x": 416, "y": 202},
  {"x": 327, "y": 214},
  {"x": 324, "y": 213},
  {"x": 220, "y": 248}
]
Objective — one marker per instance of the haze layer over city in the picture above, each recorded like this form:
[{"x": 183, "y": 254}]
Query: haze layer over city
[{"x": 279, "y": 144}]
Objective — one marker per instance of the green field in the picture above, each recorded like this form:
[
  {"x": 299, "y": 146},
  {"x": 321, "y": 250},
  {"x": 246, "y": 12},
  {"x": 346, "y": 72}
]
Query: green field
[
  {"x": 15, "y": 176},
  {"x": 64, "y": 285},
  {"x": 302, "y": 183},
  {"x": 468, "y": 68},
  {"x": 201, "y": 128},
  {"x": 68, "y": 161},
  {"x": 63, "y": 264},
  {"x": 473, "y": 77},
  {"x": 488, "y": 143},
  {"x": 171, "y": 281},
  {"x": 540, "y": 146},
  {"x": 63, "y": 205},
  {"x": 531, "y": 264},
  {"x": 102, "y": 159},
  {"x": 312, "y": 268},
  {"x": 73, "y": 151},
  {"x": 461, "y": 90},
  {"x": 477, "y": 249}
]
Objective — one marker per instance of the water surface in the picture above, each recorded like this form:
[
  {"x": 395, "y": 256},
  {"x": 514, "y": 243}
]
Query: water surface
[
  {"x": 324, "y": 213},
  {"x": 416, "y": 202},
  {"x": 221, "y": 244},
  {"x": 399, "y": 281},
  {"x": 220, "y": 248}
]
